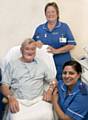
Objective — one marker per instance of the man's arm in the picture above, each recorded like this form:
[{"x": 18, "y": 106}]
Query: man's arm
[{"x": 13, "y": 103}]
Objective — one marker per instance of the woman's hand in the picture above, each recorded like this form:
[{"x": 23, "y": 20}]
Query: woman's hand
[
  {"x": 13, "y": 104},
  {"x": 60, "y": 50},
  {"x": 51, "y": 50},
  {"x": 55, "y": 96},
  {"x": 47, "y": 95}
]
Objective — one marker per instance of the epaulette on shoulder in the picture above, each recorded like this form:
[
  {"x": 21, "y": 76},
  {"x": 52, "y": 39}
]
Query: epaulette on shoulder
[{"x": 83, "y": 88}]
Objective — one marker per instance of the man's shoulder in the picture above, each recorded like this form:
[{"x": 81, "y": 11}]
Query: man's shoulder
[
  {"x": 39, "y": 61},
  {"x": 42, "y": 64},
  {"x": 12, "y": 63}
]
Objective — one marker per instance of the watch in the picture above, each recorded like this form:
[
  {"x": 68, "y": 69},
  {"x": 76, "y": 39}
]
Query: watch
[{"x": 8, "y": 96}]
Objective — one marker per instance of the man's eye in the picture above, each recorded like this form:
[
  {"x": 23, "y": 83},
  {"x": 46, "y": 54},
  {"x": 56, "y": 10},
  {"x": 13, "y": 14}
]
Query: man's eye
[
  {"x": 33, "y": 49},
  {"x": 26, "y": 49}
]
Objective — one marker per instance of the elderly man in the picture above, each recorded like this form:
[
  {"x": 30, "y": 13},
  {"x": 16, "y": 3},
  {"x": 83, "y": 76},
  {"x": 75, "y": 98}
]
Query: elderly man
[{"x": 23, "y": 84}]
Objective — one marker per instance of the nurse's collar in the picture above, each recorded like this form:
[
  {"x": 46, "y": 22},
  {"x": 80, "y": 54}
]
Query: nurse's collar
[{"x": 57, "y": 25}]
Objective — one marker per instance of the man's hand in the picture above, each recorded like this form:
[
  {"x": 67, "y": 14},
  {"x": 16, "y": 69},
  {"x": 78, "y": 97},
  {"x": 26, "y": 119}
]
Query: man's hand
[
  {"x": 13, "y": 104},
  {"x": 47, "y": 95},
  {"x": 39, "y": 44}
]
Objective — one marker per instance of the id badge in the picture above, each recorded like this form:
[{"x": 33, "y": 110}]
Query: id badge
[{"x": 63, "y": 40}]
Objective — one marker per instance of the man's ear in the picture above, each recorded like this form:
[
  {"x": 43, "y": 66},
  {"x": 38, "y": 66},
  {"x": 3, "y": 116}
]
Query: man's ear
[{"x": 21, "y": 49}]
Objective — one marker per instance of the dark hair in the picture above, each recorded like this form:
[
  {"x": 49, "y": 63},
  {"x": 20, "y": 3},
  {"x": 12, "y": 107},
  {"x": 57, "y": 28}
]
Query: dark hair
[
  {"x": 77, "y": 67},
  {"x": 53, "y": 4}
]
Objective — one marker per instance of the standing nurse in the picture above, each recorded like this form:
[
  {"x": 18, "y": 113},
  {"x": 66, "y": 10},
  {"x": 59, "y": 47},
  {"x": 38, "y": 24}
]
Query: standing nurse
[{"x": 57, "y": 35}]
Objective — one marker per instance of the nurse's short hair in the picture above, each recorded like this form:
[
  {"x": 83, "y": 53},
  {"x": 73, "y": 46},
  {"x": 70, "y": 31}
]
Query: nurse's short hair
[
  {"x": 53, "y": 4},
  {"x": 27, "y": 41}
]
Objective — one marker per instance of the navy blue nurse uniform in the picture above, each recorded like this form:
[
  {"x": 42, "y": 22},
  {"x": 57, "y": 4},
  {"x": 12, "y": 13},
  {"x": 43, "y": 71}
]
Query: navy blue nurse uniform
[
  {"x": 58, "y": 37},
  {"x": 2, "y": 106},
  {"x": 74, "y": 104}
]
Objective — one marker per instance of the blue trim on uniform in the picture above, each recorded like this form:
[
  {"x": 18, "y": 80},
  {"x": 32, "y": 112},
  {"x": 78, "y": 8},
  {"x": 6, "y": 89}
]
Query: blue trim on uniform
[
  {"x": 64, "y": 88},
  {"x": 81, "y": 116},
  {"x": 73, "y": 104},
  {"x": 57, "y": 25}
]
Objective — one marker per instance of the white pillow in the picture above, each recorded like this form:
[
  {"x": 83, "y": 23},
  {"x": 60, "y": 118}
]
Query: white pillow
[{"x": 41, "y": 53}]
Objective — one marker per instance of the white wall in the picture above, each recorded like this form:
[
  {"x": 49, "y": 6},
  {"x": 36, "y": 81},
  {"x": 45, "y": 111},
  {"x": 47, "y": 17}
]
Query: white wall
[
  {"x": 19, "y": 18},
  {"x": 74, "y": 12}
]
